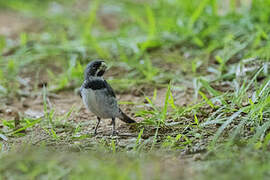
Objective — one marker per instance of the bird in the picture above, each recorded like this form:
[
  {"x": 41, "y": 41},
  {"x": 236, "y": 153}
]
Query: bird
[{"x": 99, "y": 97}]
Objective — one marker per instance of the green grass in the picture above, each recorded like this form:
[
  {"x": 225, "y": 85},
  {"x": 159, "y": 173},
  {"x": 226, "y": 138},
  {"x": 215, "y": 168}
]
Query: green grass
[
  {"x": 54, "y": 165},
  {"x": 220, "y": 61},
  {"x": 238, "y": 163}
]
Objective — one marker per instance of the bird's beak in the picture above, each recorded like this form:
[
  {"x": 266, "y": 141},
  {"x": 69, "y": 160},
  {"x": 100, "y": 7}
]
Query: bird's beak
[{"x": 103, "y": 66}]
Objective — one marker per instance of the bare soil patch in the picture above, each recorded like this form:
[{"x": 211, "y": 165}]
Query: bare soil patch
[
  {"x": 70, "y": 114},
  {"x": 12, "y": 23}
]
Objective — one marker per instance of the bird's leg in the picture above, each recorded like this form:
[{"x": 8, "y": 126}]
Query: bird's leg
[
  {"x": 98, "y": 121},
  {"x": 113, "y": 127}
]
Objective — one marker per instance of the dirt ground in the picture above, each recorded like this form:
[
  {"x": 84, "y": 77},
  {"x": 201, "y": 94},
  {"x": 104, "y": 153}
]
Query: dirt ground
[
  {"x": 12, "y": 24},
  {"x": 68, "y": 108}
]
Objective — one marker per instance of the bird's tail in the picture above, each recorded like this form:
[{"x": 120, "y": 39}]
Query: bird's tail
[{"x": 123, "y": 117}]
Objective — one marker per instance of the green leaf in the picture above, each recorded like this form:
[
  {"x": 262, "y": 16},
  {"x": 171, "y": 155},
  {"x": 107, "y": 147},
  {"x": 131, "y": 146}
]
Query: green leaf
[
  {"x": 209, "y": 102},
  {"x": 211, "y": 90},
  {"x": 224, "y": 125},
  {"x": 197, "y": 12}
]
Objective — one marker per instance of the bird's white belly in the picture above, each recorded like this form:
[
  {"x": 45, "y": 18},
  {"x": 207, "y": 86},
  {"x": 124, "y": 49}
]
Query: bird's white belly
[
  {"x": 89, "y": 100},
  {"x": 100, "y": 104}
]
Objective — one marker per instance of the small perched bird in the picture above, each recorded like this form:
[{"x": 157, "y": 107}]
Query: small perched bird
[{"x": 99, "y": 97}]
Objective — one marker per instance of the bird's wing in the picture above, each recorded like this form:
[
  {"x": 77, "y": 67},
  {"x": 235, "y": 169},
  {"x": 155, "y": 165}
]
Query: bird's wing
[
  {"x": 110, "y": 89},
  {"x": 98, "y": 84}
]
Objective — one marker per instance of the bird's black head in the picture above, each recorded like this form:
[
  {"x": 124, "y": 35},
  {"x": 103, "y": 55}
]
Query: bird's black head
[{"x": 95, "y": 68}]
